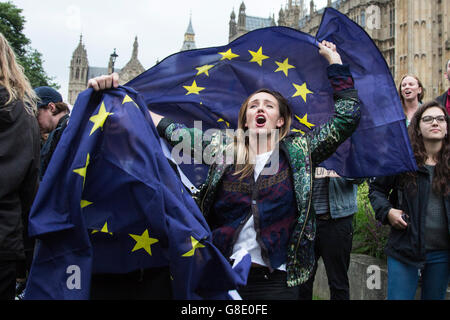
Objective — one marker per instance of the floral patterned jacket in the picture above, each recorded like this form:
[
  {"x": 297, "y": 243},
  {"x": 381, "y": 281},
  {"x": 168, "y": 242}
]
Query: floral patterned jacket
[{"x": 304, "y": 153}]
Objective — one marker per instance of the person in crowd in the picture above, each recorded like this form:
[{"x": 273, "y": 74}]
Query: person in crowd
[
  {"x": 19, "y": 164},
  {"x": 411, "y": 92},
  {"x": 237, "y": 198},
  {"x": 334, "y": 202},
  {"x": 444, "y": 99},
  {"x": 417, "y": 206},
  {"x": 53, "y": 116}
]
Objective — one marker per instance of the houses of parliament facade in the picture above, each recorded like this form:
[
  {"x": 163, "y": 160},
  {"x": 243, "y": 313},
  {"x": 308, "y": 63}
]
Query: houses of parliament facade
[{"x": 413, "y": 36}]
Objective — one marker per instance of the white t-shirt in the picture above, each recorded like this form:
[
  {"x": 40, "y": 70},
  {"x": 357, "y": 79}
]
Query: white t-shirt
[{"x": 246, "y": 240}]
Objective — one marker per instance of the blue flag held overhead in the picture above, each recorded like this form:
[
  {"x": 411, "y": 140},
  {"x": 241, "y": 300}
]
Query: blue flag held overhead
[{"x": 211, "y": 84}]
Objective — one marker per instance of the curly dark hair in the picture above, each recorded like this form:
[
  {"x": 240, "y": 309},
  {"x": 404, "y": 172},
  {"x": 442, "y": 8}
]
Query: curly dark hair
[{"x": 441, "y": 176}]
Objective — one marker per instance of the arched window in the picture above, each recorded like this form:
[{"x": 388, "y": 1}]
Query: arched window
[
  {"x": 363, "y": 18},
  {"x": 77, "y": 74}
]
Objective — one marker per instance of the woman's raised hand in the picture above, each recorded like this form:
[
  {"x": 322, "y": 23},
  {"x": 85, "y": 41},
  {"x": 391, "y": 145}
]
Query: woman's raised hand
[
  {"x": 104, "y": 82},
  {"x": 328, "y": 51}
]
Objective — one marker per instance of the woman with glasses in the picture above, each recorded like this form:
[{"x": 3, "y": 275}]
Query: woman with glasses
[{"x": 417, "y": 206}]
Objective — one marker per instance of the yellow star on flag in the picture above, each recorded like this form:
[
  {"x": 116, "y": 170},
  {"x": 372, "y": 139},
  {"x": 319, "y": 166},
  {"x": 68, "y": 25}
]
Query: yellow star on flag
[
  {"x": 84, "y": 203},
  {"x": 82, "y": 171},
  {"x": 193, "y": 88},
  {"x": 128, "y": 99},
  {"x": 226, "y": 122},
  {"x": 228, "y": 55},
  {"x": 204, "y": 69},
  {"x": 284, "y": 66},
  {"x": 257, "y": 56},
  {"x": 143, "y": 242},
  {"x": 304, "y": 121},
  {"x": 297, "y": 130},
  {"x": 301, "y": 91},
  {"x": 99, "y": 118},
  {"x": 104, "y": 229},
  {"x": 195, "y": 245}
]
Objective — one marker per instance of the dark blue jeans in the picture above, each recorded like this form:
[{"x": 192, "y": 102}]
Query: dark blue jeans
[{"x": 403, "y": 278}]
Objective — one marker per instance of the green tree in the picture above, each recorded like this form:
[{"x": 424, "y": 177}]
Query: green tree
[{"x": 11, "y": 26}]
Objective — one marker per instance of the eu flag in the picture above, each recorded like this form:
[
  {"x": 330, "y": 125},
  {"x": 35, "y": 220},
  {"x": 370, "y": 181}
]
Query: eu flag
[
  {"x": 111, "y": 203},
  {"x": 211, "y": 84}
]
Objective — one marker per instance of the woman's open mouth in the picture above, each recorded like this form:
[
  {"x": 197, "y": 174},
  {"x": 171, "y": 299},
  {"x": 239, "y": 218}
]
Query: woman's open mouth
[{"x": 260, "y": 120}]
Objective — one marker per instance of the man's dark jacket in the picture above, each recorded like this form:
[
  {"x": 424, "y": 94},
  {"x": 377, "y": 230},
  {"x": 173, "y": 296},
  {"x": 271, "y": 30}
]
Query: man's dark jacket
[
  {"x": 442, "y": 99},
  {"x": 50, "y": 145}
]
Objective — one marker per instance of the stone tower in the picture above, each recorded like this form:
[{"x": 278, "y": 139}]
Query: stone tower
[
  {"x": 422, "y": 42},
  {"x": 79, "y": 66},
  {"x": 232, "y": 26},
  {"x": 294, "y": 11},
  {"x": 133, "y": 68},
  {"x": 242, "y": 25},
  {"x": 189, "y": 37}
]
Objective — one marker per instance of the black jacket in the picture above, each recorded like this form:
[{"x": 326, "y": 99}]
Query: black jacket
[
  {"x": 442, "y": 99},
  {"x": 407, "y": 245},
  {"x": 49, "y": 146},
  {"x": 19, "y": 169}
]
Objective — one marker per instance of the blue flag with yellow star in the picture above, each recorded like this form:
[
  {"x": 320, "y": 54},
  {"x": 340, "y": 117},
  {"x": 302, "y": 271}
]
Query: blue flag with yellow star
[
  {"x": 211, "y": 84},
  {"x": 110, "y": 203}
]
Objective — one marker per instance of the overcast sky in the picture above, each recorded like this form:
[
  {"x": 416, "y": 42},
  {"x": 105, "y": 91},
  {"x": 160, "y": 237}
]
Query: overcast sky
[{"x": 54, "y": 28}]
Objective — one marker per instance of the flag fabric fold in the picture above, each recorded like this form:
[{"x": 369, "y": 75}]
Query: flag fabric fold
[
  {"x": 381, "y": 145},
  {"x": 111, "y": 203}
]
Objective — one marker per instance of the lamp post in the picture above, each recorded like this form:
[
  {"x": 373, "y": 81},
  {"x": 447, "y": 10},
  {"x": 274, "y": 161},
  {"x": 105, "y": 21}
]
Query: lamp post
[{"x": 114, "y": 55}]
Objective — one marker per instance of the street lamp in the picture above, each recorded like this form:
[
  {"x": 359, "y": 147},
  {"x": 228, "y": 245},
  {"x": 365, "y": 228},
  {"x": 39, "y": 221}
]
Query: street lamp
[{"x": 114, "y": 55}]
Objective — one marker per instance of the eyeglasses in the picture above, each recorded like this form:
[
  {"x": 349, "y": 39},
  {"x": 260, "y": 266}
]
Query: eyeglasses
[{"x": 430, "y": 119}]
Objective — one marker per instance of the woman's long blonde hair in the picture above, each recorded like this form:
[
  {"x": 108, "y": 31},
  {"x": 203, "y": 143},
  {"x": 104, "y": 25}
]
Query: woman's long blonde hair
[
  {"x": 13, "y": 78},
  {"x": 244, "y": 167}
]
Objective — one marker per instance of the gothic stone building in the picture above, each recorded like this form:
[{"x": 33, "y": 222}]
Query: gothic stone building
[
  {"x": 81, "y": 71},
  {"x": 413, "y": 35}
]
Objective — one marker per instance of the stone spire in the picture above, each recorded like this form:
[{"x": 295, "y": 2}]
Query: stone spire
[
  {"x": 232, "y": 31},
  {"x": 281, "y": 18},
  {"x": 189, "y": 37},
  {"x": 134, "y": 55},
  {"x": 133, "y": 68},
  {"x": 79, "y": 66},
  {"x": 242, "y": 18}
]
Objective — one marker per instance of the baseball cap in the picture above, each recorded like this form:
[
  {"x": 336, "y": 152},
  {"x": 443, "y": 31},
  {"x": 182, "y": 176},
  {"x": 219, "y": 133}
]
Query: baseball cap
[{"x": 47, "y": 95}]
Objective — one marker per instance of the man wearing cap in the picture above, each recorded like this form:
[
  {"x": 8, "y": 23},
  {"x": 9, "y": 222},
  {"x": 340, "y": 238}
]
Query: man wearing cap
[{"x": 53, "y": 116}]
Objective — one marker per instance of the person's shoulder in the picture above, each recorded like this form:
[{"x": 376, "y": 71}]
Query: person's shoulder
[{"x": 441, "y": 98}]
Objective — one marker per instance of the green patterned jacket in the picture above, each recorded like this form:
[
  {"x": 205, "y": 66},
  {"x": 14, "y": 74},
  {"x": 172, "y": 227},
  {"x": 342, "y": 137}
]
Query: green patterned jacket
[{"x": 304, "y": 153}]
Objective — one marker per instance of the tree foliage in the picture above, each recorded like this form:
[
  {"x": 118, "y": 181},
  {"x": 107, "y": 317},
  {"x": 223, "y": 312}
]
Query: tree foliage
[{"x": 11, "y": 26}]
